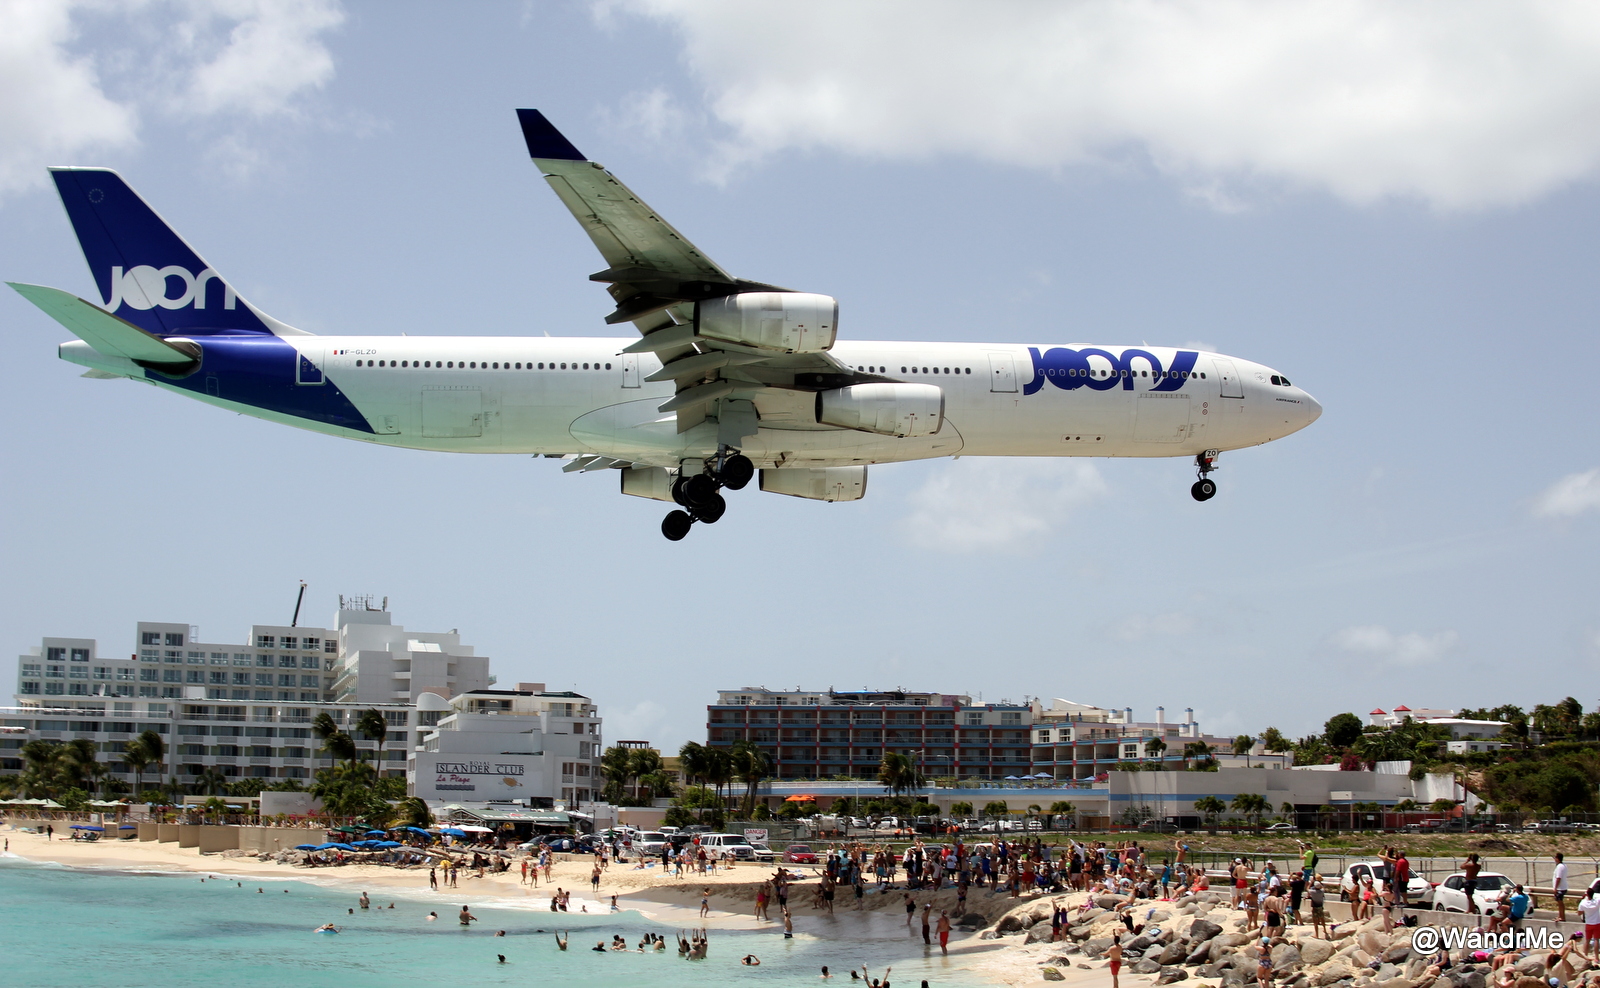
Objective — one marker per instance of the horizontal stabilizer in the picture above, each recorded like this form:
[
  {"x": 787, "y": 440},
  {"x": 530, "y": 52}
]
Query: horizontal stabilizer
[{"x": 109, "y": 334}]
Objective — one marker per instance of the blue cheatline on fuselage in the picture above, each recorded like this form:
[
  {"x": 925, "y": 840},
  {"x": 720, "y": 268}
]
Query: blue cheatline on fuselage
[{"x": 259, "y": 370}]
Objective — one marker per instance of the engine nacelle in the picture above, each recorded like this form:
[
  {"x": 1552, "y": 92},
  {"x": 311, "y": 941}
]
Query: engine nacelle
[
  {"x": 790, "y": 322},
  {"x": 817, "y": 484},
  {"x": 886, "y": 409}
]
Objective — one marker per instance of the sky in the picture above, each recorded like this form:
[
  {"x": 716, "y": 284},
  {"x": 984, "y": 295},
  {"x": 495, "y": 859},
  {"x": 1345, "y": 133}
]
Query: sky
[{"x": 1394, "y": 204}]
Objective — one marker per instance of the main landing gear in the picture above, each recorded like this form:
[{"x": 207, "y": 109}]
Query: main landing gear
[
  {"x": 1205, "y": 488},
  {"x": 698, "y": 494}
]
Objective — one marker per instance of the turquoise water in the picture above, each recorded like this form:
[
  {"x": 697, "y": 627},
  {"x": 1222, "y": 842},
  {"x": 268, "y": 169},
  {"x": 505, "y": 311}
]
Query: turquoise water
[{"x": 73, "y": 927}]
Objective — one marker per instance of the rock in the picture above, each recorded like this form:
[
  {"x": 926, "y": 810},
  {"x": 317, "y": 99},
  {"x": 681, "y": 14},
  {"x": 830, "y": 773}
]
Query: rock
[
  {"x": 1337, "y": 970},
  {"x": 1160, "y": 916},
  {"x": 1171, "y": 974},
  {"x": 1234, "y": 939},
  {"x": 973, "y": 919},
  {"x": 1397, "y": 952},
  {"x": 1097, "y": 946},
  {"x": 1086, "y": 967},
  {"x": 1147, "y": 965},
  {"x": 1090, "y": 916},
  {"x": 1207, "y": 971},
  {"x": 1373, "y": 942},
  {"x": 989, "y": 935},
  {"x": 1141, "y": 942},
  {"x": 1038, "y": 933},
  {"x": 1341, "y": 930},
  {"x": 1285, "y": 958},
  {"x": 1474, "y": 979},
  {"x": 1360, "y": 958},
  {"x": 1188, "y": 910},
  {"x": 1315, "y": 952},
  {"x": 1531, "y": 966},
  {"x": 1199, "y": 955},
  {"x": 1202, "y": 930},
  {"x": 1052, "y": 974},
  {"x": 1080, "y": 932},
  {"x": 1394, "y": 983},
  {"x": 1109, "y": 901},
  {"x": 1386, "y": 972},
  {"x": 1173, "y": 953}
]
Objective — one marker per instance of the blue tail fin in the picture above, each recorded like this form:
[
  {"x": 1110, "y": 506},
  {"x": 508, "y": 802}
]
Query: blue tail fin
[{"x": 144, "y": 270}]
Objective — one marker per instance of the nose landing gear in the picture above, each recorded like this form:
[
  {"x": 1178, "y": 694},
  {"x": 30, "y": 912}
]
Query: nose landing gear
[
  {"x": 1205, "y": 488},
  {"x": 698, "y": 494}
]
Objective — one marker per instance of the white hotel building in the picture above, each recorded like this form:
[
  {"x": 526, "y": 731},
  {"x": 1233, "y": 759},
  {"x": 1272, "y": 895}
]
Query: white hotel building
[{"x": 244, "y": 708}]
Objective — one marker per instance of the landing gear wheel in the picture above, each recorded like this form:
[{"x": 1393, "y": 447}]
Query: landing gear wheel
[
  {"x": 711, "y": 510},
  {"x": 676, "y": 525},
  {"x": 1204, "y": 490},
  {"x": 697, "y": 490},
  {"x": 737, "y": 471},
  {"x": 677, "y": 491}
]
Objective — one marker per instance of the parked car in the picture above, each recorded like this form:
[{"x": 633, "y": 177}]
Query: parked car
[
  {"x": 1158, "y": 827},
  {"x": 1451, "y": 894},
  {"x": 1550, "y": 827},
  {"x": 1280, "y": 827},
  {"x": 650, "y": 842},
  {"x": 799, "y": 854},
  {"x": 737, "y": 843},
  {"x": 763, "y": 853},
  {"x": 1418, "y": 890}
]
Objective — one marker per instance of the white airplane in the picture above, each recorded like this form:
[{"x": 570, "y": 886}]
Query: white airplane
[{"x": 728, "y": 377}]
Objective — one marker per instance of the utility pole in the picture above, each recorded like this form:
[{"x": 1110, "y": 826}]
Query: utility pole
[{"x": 295, "y": 621}]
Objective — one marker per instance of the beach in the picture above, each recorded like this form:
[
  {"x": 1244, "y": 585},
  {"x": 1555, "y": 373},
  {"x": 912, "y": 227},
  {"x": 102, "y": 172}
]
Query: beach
[{"x": 875, "y": 934}]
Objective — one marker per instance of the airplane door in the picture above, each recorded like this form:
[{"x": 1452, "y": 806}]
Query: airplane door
[
  {"x": 308, "y": 367},
  {"x": 630, "y": 370},
  {"x": 1228, "y": 377},
  {"x": 1002, "y": 373}
]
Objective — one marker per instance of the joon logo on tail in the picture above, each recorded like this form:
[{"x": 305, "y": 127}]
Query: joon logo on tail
[
  {"x": 1070, "y": 369},
  {"x": 144, "y": 287}
]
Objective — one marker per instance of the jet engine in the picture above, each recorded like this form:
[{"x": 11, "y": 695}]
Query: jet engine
[
  {"x": 789, "y": 322},
  {"x": 886, "y": 409}
]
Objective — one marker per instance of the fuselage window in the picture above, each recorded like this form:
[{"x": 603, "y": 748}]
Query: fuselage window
[
  {"x": 451, "y": 364},
  {"x": 947, "y": 370},
  {"x": 608, "y": 366},
  {"x": 924, "y": 370},
  {"x": 563, "y": 366},
  {"x": 585, "y": 366},
  {"x": 902, "y": 370}
]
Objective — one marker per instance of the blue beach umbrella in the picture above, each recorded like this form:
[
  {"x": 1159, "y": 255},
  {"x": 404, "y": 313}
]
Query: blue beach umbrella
[
  {"x": 453, "y": 832},
  {"x": 340, "y": 847},
  {"x": 87, "y": 826},
  {"x": 375, "y": 833},
  {"x": 308, "y": 847},
  {"x": 129, "y": 826},
  {"x": 415, "y": 830},
  {"x": 386, "y": 844}
]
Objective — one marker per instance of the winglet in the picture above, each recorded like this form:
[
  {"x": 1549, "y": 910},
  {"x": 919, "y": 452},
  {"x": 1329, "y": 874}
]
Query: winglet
[{"x": 544, "y": 141}]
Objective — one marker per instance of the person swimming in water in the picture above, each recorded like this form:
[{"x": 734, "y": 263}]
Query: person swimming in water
[
  {"x": 326, "y": 928},
  {"x": 466, "y": 917},
  {"x": 561, "y": 941},
  {"x": 750, "y": 960}
]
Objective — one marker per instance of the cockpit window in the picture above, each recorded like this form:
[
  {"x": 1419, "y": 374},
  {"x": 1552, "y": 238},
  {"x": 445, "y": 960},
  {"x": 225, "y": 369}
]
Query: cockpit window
[
  {"x": 1285, "y": 381},
  {"x": 1280, "y": 380}
]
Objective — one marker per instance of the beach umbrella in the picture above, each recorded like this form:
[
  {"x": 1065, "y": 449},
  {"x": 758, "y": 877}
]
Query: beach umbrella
[
  {"x": 386, "y": 844},
  {"x": 453, "y": 831},
  {"x": 415, "y": 830},
  {"x": 335, "y": 845},
  {"x": 129, "y": 826},
  {"x": 378, "y": 833},
  {"x": 308, "y": 847},
  {"x": 476, "y": 830},
  {"x": 347, "y": 829},
  {"x": 87, "y": 826},
  {"x": 1012, "y": 778}
]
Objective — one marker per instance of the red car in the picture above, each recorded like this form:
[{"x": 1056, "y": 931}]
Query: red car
[{"x": 799, "y": 854}]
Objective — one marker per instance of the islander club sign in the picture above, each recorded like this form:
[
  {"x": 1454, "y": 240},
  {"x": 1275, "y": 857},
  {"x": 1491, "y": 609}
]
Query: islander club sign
[{"x": 442, "y": 776}]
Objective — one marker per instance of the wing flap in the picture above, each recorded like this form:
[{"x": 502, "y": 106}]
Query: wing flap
[{"x": 109, "y": 334}]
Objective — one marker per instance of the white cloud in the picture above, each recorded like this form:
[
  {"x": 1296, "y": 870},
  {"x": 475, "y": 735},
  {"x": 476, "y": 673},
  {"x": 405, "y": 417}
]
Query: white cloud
[
  {"x": 1457, "y": 103},
  {"x": 51, "y": 106},
  {"x": 187, "y": 59},
  {"x": 980, "y": 502},
  {"x": 1571, "y": 495},
  {"x": 1384, "y": 645}
]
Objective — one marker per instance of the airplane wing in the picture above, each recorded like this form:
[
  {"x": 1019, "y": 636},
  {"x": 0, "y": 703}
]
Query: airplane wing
[{"x": 655, "y": 277}]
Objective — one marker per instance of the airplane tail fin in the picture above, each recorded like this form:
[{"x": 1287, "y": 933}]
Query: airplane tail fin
[{"x": 146, "y": 273}]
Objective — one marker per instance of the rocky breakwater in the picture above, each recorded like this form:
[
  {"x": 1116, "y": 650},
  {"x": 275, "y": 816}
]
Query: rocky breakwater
[{"x": 1200, "y": 938}]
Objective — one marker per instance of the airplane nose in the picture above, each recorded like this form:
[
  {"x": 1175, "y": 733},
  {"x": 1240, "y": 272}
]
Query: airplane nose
[{"x": 1313, "y": 410}]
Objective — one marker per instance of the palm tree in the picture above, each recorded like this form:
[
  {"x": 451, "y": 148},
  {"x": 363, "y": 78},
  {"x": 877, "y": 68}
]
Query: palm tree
[
  {"x": 155, "y": 746},
  {"x": 414, "y": 812},
  {"x": 1250, "y": 804},
  {"x": 77, "y": 755},
  {"x": 692, "y": 761},
  {"x": 660, "y": 785},
  {"x": 643, "y": 761},
  {"x": 719, "y": 772},
  {"x": 1061, "y": 808},
  {"x": 617, "y": 766},
  {"x": 1209, "y": 806},
  {"x": 211, "y": 781},
  {"x": 137, "y": 759},
  {"x": 897, "y": 772},
  {"x": 42, "y": 757},
  {"x": 1288, "y": 811},
  {"x": 1196, "y": 751},
  {"x": 323, "y": 728},
  {"x": 340, "y": 745},
  {"x": 996, "y": 809},
  {"x": 750, "y": 765},
  {"x": 1242, "y": 745},
  {"x": 1154, "y": 747},
  {"x": 372, "y": 725},
  {"x": 962, "y": 809}
]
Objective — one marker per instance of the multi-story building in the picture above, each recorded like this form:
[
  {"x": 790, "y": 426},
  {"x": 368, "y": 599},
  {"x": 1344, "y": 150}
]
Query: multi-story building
[
  {"x": 811, "y": 735},
  {"x": 380, "y": 662},
  {"x": 521, "y": 744},
  {"x": 244, "y": 708}
]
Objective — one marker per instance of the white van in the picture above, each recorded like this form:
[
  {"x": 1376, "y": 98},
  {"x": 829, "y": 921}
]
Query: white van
[{"x": 741, "y": 847}]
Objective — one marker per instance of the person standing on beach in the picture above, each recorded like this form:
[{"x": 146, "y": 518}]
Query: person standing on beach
[
  {"x": 433, "y": 879},
  {"x": 927, "y": 926},
  {"x": 1558, "y": 882},
  {"x": 911, "y": 910},
  {"x": 1114, "y": 960},
  {"x": 944, "y": 932}
]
